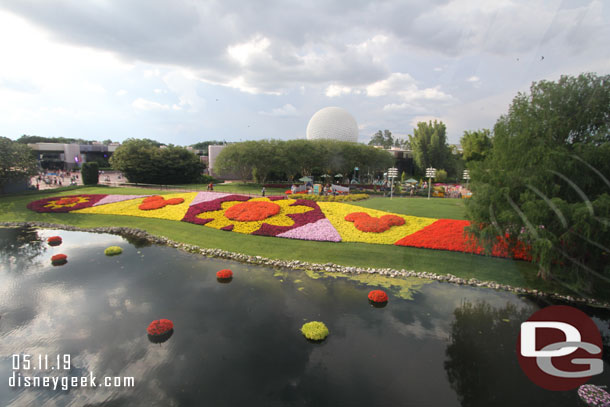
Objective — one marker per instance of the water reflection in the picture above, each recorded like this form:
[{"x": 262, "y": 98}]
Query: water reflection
[
  {"x": 240, "y": 343},
  {"x": 20, "y": 248},
  {"x": 482, "y": 364}
]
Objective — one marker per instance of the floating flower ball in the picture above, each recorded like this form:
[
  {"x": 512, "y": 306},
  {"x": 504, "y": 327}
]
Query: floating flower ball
[
  {"x": 54, "y": 241},
  {"x": 59, "y": 259},
  {"x": 113, "y": 251},
  {"x": 594, "y": 396},
  {"x": 315, "y": 331},
  {"x": 224, "y": 275},
  {"x": 378, "y": 297},
  {"x": 160, "y": 330}
]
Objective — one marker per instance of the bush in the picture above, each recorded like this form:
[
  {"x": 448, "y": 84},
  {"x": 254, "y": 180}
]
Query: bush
[{"x": 90, "y": 173}]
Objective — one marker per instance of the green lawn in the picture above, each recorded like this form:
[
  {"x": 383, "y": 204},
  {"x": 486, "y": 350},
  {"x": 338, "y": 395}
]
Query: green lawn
[
  {"x": 516, "y": 273},
  {"x": 237, "y": 188},
  {"x": 434, "y": 207}
]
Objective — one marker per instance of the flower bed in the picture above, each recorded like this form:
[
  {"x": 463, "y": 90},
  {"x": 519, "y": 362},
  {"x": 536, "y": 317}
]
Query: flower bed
[
  {"x": 449, "y": 234},
  {"x": 336, "y": 198},
  {"x": 271, "y": 216},
  {"x": 64, "y": 203},
  {"x": 167, "y": 206},
  {"x": 298, "y": 217},
  {"x": 349, "y": 232},
  {"x": 367, "y": 223}
]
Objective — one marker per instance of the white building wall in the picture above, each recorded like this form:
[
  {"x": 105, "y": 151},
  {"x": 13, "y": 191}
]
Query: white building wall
[{"x": 213, "y": 152}]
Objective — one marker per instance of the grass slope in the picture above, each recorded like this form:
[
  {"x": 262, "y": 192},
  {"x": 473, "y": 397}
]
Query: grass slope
[
  {"x": 433, "y": 207},
  {"x": 516, "y": 273}
]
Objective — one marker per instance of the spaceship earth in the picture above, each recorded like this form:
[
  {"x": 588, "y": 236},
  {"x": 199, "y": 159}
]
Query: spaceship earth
[{"x": 332, "y": 123}]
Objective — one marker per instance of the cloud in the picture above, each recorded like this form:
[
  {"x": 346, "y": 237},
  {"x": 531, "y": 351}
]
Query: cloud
[
  {"x": 121, "y": 92},
  {"x": 473, "y": 79},
  {"x": 284, "y": 111},
  {"x": 244, "y": 52},
  {"x": 337, "y": 90},
  {"x": 144, "y": 104}
]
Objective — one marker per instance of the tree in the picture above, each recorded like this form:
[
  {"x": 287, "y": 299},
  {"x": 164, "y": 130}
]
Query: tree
[
  {"x": 17, "y": 162},
  {"x": 90, "y": 173},
  {"x": 144, "y": 162},
  {"x": 304, "y": 157},
  {"x": 545, "y": 180},
  {"x": 384, "y": 139},
  {"x": 203, "y": 145},
  {"x": 430, "y": 148},
  {"x": 476, "y": 144}
]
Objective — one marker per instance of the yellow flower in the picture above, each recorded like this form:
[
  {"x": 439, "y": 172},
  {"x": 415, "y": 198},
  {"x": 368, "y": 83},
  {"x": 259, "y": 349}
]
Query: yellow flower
[
  {"x": 258, "y": 214},
  {"x": 67, "y": 202},
  {"x": 336, "y": 212},
  {"x": 131, "y": 208}
]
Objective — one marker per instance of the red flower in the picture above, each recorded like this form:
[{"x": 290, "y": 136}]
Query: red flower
[
  {"x": 449, "y": 234},
  {"x": 54, "y": 241},
  {"x": 252, "y": 211},
  {"x": 366, "y": 223},
  {"x": 158, "y": 202},
  {"x": 224, "y": 274},
  {"x": 378, "y": 296},
  {"x": 59, "y": 260},
  {"x": 160, "y": 327},
  {"x": 288, "y": 192},
  {"x": 59, "y": 257}
]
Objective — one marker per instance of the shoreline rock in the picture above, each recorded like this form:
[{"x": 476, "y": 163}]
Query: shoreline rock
[{"x": 302, "y": 265}]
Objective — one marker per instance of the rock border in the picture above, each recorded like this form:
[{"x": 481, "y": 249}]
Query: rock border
[{"x": 302, "y": 265}]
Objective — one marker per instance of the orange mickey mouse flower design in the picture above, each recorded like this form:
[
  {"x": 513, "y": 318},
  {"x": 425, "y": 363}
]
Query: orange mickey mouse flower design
[
  {"x": 158, "y": 202},
  {"x": 367, "y": 223}
]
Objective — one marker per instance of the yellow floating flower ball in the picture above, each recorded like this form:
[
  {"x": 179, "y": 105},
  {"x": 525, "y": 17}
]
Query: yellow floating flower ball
[
  {"x": 315, "y": 331},
  {"x": 113, "y": 251}
]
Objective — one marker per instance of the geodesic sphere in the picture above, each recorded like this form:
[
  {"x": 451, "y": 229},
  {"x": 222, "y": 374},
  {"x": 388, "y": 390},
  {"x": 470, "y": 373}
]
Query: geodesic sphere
[{"x": 332, "y": 123}]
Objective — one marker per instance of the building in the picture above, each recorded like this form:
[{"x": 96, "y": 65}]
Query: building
[
  {"x": 57, "y": 156},
  {"x": 213, "y": 151}
]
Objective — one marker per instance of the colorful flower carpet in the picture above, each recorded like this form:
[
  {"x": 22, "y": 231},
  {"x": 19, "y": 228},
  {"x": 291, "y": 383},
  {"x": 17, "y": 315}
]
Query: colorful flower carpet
[{"x": 288, "y": 218}]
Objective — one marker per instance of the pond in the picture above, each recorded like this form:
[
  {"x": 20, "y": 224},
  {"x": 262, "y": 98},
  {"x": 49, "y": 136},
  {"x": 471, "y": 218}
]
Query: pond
[{"x": 237, "y": 344}]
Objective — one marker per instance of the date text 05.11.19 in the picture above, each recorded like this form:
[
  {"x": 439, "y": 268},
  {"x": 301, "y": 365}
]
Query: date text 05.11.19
[{"x": 25, "y": 361}]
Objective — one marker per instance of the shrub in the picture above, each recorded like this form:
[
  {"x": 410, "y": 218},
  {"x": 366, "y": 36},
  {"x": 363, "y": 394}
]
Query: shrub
[{"x": 90, "y": 173}]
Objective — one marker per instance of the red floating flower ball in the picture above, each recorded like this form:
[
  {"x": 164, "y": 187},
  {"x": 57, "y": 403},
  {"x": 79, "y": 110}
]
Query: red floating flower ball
[
  {"x": 59, "y": 259},
  {"x": 378, "y": 296},
  {"x": 160, "y": 330},
  {"x": 224, "y": 274},
  {"x": 54, "y": 241}
]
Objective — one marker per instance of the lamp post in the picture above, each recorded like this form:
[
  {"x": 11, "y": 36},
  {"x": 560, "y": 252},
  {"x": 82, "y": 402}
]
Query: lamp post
[
  {"x": 430, "y": 173},
  {"x": 392, "y": 173},
  {"x": 466, "y": 176}
]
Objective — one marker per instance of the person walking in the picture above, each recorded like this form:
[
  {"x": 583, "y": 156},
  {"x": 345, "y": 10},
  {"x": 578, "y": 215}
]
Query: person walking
[{"x": 263, "y": 191}]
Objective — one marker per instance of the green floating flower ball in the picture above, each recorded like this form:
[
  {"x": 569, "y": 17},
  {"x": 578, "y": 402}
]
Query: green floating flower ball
[
  {"x": 113, "y": 251},
  {"x": 315, "y": 331}
]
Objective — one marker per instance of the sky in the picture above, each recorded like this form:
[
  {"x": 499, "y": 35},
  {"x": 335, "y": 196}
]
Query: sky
[{"x": 184, "y": 71}]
